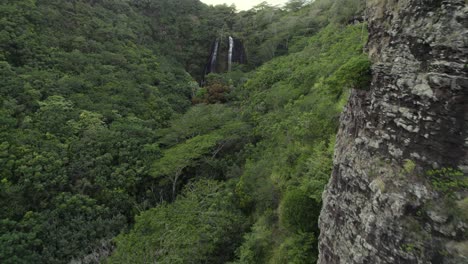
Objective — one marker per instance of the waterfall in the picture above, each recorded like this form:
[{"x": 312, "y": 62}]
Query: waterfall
[
  {"x": 213, "y": 56},
  {"x": 224, "y": 52},
  {"x": 231, "y": 47}
]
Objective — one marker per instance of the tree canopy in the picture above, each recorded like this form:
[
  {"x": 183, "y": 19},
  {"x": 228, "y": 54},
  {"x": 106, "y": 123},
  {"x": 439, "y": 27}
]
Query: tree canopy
[{"x": 111, "y": 153}]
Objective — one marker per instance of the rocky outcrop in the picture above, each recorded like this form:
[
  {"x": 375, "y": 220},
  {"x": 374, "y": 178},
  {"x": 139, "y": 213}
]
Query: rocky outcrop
[{"x": 398, "y": 191}]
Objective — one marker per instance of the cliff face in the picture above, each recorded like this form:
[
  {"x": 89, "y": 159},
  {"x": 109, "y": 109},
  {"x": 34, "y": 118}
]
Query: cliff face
[{"x": 398, "y": 188}]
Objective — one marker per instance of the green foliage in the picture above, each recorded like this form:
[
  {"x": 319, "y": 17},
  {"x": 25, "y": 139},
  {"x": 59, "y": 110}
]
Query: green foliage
[
  {"x": 297, "y": 248},
  {"x": 73, "y": 227},
  {"x": 96, "y": 125},
  {"x": 198, "y": 120},
  {"x": 201, "y": 226},
  {"x": 294, "y": 103},
  {"x": 409, "y": 247},
  {"x": 270, "y": 31},
  {"x": 214, "y": 91},
  {"x": 201, "y": 139},
  {"x": 84, "y": 92},
  {"x": 294, "y": 5},
  {"x": 254, "y": 189},
  {"x": 259, "y": 241},
  {"x": 298, "y": 212},
  {"x": 354, "y": 74},
  {"x": 182, "y": 155},
  {"x": 318, "y": 167},
  {"x": 463, "y": 206},
  {"x": 448, "y": 180},
  {"x": 176, "y": 159},
  {"x": 409, "y": 166}
]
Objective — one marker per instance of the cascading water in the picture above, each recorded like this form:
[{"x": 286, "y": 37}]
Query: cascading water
[
  {"x": 223, "y": 55},
  {"x": 231, "y": 47},
  {"x": 214, "y": 55}
]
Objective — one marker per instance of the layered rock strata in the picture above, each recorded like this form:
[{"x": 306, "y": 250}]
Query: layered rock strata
[{"x": 398, "y": 188}]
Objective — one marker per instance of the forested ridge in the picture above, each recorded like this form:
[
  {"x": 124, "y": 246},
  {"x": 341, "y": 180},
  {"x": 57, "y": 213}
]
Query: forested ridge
[{"x": 110, "y": 152}]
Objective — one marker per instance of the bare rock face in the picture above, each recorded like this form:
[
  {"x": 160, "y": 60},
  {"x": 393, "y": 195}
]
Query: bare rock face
[{"x": 398, "y": 191}]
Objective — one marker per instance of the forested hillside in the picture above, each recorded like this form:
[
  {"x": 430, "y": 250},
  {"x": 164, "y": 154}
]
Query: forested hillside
[{"x": 111, "y": 153}]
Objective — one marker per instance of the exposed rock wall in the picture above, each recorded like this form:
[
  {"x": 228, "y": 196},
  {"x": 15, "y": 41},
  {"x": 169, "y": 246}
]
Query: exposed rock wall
[{"x": 380, "y": 205}]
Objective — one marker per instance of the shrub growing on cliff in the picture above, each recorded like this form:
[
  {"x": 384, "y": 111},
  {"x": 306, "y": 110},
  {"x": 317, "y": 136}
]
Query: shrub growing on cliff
[
  {"x": 355, "y": 73},
  {"x": 448, "y": 180}
]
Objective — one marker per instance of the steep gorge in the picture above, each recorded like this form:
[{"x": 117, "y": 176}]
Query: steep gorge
[{"x": 398, "y": 188}]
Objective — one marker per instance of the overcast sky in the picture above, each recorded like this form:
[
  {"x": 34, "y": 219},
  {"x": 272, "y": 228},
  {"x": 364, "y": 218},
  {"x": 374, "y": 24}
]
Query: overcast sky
[{"x": 243, "y": 4}]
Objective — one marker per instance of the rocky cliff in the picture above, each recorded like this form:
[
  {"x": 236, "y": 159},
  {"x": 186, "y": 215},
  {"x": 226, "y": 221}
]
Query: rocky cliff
[{"x": 398, "y": 191}]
